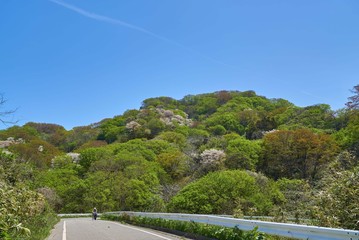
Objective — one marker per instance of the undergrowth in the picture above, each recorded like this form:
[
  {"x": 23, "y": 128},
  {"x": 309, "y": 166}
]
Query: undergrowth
[{"x": 190, "y": 229}]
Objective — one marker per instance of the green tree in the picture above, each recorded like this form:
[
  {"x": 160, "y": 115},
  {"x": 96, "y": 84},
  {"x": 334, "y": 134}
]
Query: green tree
[
  {"x": 26, "y": 133},
  {"x": 336, "y": 204},
  {"x": 163, "y": 102},
  {"x": 18, "y": 206},
  {"x": 250, "y": 120},
  {"x": 178, "y": 139},
  {"x": 243, "y": 153},
  {"x": 117, "y": 175},
  {"x": 111, "y": 130},
  {"x": 318, "y": 116},
  {"x": 13, "y": 170},
  {"x": 99, "y": 191},
  {"x": 136, "y": 146},
  {"x": 90, "y": 155},
  {"x": 218, "y": 130},
  {"x": 228, "y": 120},
  {"x": 298, "y": 200},
  {"x": 159, "y": 146},
  {"x": 175, "y": 163},
  {"x": 197, "y": 137},
  {"x": 21, "y": 208},
  {"x": 138, "y": 197},
  {"x": 67, "y": 185},
  {"x": 75, "y": 137},
  {"x": 223, "y": 192},
  {"x": 155, "y": 126}
]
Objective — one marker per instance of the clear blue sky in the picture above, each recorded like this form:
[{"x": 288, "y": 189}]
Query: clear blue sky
[{"x": 76, "y": 62}]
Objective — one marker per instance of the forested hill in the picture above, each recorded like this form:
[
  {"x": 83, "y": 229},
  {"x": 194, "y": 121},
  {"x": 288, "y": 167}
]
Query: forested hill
[{"x": 226, "y": 152}]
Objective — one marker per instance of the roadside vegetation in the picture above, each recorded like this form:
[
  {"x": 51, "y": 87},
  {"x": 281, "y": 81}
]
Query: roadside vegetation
[
  {"x": 24, "y": 213},
  {"x": 228, "y": 152},
  {"x": 190, "y": 229}
]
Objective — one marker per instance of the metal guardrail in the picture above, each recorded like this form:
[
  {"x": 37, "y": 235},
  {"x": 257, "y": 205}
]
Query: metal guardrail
[
  {"x": 272, "y": 228},
  {"x": 74, "y": 215}
]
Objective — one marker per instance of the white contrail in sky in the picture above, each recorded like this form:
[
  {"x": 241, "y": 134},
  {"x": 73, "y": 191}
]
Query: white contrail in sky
[
  {"x": 108, "y": 20},
  {"x": 128, "y": 25}
]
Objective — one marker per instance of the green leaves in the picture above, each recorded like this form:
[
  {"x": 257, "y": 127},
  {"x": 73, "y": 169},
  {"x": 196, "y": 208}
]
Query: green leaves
[
  {"x": 176, "y": 154},
  {"x": 243, "y": 153},
  {"x": 18, "y": 205},
  {"x": 191, "y": 229},
  {"x": 221, "y": 192},
  {"x": 337, "y": 204}
]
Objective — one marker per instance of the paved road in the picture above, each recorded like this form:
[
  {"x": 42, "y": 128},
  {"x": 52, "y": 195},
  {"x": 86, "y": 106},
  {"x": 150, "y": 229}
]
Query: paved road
[{"x": 88, "y": 229}]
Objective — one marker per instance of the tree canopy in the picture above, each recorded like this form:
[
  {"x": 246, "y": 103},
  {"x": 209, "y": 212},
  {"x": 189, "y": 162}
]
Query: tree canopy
[{"x": 227, "y": 152}]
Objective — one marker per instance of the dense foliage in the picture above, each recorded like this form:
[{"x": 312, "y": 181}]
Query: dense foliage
[
  {"x": 23, "y": 212},
  {"x": 226, "y": 192},
  {"x": 190, "y": 229},
  {"x": 226, "y": 152}
]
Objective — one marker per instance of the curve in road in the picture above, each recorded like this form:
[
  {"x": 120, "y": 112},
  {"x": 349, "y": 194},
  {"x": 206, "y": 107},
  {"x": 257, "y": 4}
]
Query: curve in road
[{"x": 88, "y": 229}]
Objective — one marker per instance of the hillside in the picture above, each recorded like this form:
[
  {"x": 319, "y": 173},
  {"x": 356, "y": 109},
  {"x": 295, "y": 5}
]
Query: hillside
[{"x": 226, "y": 152}]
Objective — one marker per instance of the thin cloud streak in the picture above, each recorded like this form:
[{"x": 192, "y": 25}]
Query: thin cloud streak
[
  {"x": 108, "y": 20},
  {"x": 131, "y": 26}
]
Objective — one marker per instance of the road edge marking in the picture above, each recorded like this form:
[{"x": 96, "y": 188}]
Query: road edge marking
[
  {"x": 64, "y": 231},
  {"x": 138, "y": 229}
]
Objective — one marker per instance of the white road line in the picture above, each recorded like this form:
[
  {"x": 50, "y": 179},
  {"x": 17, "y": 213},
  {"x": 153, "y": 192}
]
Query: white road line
[
  {"x": 64, "y": 231},
  {"x": 144, "y": 231}
]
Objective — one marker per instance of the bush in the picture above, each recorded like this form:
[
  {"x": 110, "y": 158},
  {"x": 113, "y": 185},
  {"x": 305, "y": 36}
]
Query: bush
[{"x": 190, "y": 229}]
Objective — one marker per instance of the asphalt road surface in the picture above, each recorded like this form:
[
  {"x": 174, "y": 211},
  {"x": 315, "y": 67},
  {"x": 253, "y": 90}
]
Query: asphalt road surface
[{"x": 88, "y": 229}]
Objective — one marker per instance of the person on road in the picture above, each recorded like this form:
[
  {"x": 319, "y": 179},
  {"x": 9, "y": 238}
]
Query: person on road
[{"x": 94, "y": 214}]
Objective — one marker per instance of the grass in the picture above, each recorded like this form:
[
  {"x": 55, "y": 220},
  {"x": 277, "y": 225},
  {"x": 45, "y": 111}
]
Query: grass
[{"x": 41, "y": 226}]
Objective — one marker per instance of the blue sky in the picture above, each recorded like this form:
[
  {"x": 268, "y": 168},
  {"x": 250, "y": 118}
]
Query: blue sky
[{"x": 76, "y": 62}]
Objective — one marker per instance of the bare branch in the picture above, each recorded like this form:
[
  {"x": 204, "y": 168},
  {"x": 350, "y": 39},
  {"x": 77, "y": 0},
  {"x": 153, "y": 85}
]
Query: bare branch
[
  {"x": 6, "y": 113},
  {"x": 354, "y": 100}
]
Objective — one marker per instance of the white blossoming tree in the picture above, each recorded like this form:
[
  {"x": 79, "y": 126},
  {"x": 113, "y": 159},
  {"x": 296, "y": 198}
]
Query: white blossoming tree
[{"x": 211, "y": 160}]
